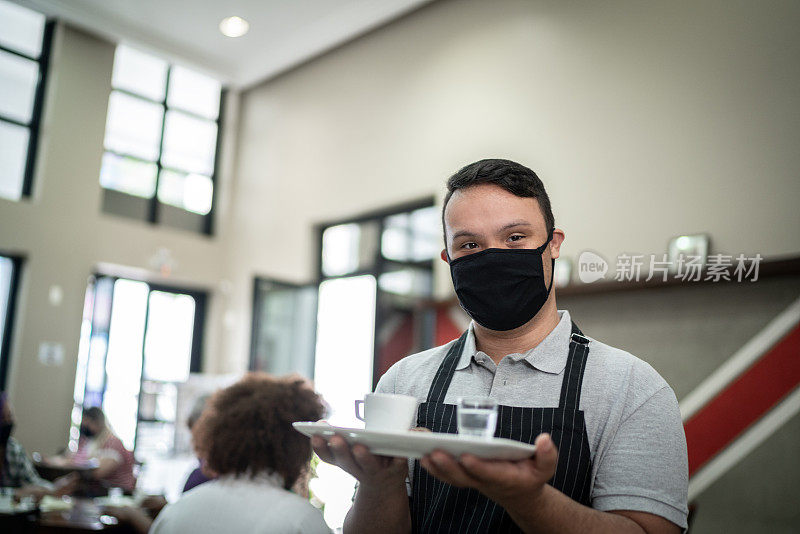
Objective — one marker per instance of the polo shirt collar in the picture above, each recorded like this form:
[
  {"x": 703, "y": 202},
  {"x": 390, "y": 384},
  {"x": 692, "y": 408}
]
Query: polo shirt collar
[{"x": 549, "y": 356}]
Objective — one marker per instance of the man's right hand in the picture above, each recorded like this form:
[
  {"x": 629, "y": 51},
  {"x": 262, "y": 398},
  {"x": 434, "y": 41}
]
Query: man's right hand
[{"x": 370, "y": 470}]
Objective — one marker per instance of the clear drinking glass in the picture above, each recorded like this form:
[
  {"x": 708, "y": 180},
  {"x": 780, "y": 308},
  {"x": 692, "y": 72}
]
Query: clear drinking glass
[{"x": 477, "y": 417}]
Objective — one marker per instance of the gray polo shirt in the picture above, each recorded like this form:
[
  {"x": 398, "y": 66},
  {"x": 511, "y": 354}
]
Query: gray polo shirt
[{"x": 633, "y": 422}]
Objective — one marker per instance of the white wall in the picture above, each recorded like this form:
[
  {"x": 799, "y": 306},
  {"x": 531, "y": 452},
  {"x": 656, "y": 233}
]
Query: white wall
[{"x": 645, "y": 120}]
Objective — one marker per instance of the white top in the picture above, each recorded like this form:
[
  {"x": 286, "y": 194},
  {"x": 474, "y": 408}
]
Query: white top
[
  {"x": 633, "y": 422},
  {"x": 239, "y": 504}
]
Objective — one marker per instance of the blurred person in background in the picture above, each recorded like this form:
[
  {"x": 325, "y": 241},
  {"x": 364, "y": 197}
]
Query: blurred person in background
[
  {"x": 98, "y": 442},
  {"x": 139, "y": 518},
  {"x": 197, "y": 476},
  {"x": 18, "y": 471},
  {"x": 245, "y": 440}
]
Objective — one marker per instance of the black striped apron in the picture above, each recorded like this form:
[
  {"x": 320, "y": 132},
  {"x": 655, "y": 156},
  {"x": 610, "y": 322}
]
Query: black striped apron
[{"x": 439, "y": 507}]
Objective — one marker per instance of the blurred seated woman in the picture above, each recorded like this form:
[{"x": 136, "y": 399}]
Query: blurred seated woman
[
  {"x": 245, "y": 440},
  {"x": 17, "y": 470},
  {"x": 97, "y": 442},
  {"x": 196, "y": 477}
]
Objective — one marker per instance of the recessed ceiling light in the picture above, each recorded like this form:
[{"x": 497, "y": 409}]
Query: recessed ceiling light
[{"x": 234, "y": 26}]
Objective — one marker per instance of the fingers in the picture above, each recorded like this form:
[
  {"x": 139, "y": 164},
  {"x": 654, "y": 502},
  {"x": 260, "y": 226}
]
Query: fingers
[
  {"x": 471, "y": 471},
  {"x": 365, "y": 460},
  {"x": 343, "y": 456},
  {"x": 446, "y": 468},
  {"x": 546, "y": 457},
  {"x": 358, "y": 460},
  {"x": 488, "y": 471},
  {"x": 321, "y": 449}
]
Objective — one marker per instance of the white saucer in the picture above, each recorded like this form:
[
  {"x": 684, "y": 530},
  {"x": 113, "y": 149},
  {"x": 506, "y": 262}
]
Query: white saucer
[{"x": 417, "y": 444}]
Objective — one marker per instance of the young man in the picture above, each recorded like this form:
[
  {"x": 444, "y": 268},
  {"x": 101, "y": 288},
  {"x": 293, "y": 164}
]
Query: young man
[{"x": 611, "y": 453}]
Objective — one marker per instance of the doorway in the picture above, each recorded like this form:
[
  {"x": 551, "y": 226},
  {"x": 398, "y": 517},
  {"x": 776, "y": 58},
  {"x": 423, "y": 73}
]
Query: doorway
[{"x": 139, "y": 342}]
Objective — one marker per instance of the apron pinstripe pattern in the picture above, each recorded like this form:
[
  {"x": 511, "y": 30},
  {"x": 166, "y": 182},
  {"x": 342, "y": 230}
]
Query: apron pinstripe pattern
[{"x": 438, "y": 507}]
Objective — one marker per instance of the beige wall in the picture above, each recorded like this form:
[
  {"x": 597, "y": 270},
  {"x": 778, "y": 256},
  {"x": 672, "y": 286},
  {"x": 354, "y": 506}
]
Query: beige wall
[
  {"x": 686, "y": 333},
  {"x": 64, "y": 236},
  {"x": 646, "y": 120}
]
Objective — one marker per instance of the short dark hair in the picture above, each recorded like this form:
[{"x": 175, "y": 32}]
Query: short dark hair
[
  {"x": 246, "y": 429},
  {"x": 95, "y": 414},
  {"x": 197, "y": 410},
  {"x": 517, "y": 179}
]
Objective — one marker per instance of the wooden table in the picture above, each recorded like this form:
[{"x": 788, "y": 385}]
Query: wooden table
[
  {"x": 84, "y": 517},
  {"x": 50, "y": 471}
]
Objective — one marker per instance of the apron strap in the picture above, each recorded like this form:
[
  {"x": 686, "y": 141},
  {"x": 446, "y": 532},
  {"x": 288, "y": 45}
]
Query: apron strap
[
  {"x": 441, "y": 382},
  {"x": 570, "y": 386},
  {"x": 573, "y": 371}
]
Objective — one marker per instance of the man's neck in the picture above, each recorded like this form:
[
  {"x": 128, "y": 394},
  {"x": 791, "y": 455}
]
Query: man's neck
[{"x": 497, "y": 345}]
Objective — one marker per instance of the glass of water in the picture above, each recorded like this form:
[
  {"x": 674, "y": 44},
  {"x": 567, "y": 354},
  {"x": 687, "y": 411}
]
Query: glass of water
[{"x": 477, "y": 417}]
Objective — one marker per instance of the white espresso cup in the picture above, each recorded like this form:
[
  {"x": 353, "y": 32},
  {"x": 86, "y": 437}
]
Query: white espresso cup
[{"x": 385, "y": 412}]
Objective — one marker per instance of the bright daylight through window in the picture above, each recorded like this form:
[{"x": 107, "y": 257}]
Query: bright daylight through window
[
  {"x": 24, "y": 43},
  {"x": 161, "y": 133}
]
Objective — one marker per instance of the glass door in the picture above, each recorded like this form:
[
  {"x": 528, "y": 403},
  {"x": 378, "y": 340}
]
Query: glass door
[
  {"x": 284, "y": 327},
  {"x": 139, "y": 341}
]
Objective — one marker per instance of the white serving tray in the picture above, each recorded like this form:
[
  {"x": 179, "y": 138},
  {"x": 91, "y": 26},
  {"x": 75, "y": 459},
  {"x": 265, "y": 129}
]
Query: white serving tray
[{"x": 410, "y": 444}]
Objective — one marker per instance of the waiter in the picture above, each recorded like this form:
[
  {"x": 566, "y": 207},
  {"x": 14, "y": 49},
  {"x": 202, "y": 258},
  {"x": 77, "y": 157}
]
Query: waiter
[{"x": 611, "y": 452}]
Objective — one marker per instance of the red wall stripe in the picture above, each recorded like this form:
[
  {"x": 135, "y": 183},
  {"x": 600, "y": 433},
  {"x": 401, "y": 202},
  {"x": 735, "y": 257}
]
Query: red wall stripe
[
  {"x": 446, "y": 329},
  {"x": 398, "y": 346},
  {"x": 748, "y": 398}
]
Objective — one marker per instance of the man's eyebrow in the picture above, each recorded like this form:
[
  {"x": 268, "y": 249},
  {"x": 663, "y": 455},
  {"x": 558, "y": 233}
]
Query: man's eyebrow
[
  {"x": 463, "y": 233},
  {"x": 514, "y": 224}
]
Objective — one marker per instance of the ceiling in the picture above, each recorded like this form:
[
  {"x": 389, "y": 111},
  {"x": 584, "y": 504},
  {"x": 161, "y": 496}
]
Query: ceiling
[{"x": 282, "y": 34}]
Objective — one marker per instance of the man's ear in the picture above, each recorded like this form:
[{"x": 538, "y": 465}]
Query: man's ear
[
  {"x": 555, "y": 244},
  {"x": 444, "y": 256}
]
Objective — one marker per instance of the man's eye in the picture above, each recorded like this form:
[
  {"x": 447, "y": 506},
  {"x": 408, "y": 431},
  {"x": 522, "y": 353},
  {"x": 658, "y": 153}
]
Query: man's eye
[
  {"x": 516, "y": 237},
  {"x": 469, "y": 245}
]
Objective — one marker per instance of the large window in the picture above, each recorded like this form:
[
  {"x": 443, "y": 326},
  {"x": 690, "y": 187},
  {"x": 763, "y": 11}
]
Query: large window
[
  {"x": 375, "y": 274},
  {"x": 139, "y": 342},
  {"x": 9, "y": 280},
  {"x": 25, "y": 37},
  {"x": 161, "y": 141}
]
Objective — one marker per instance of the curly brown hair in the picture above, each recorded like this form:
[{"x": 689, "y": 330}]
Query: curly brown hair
[{"x": 246, "y": 429}]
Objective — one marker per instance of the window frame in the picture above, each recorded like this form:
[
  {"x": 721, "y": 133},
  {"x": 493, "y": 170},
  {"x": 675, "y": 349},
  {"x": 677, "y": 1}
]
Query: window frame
[
  {"x": 380, "y": 264},
  {"x": 196, "y": 362},
  {"x": 262, "y": 285},
  {"x": 11, "y": 308},
  {"x": 154, "y": 204},
  {"x": 34, "y": 124}
]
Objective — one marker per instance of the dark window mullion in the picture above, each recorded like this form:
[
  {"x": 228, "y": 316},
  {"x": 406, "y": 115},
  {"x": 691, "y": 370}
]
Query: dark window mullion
[
  {"x": 154, "y": 204},
  {"x": 23, "y": 55},
  {"x": 4, "y": 118},
  {"x": 129, "y": 156},
  {"x": 138, "y": 96},
  {"x": 208, "y": 222},
  {"x": 7, "y": 327},
  {"x": 194, "y": 115},
  {"x": 38, "y": 105},
  {"x": 144, "y": 355}
]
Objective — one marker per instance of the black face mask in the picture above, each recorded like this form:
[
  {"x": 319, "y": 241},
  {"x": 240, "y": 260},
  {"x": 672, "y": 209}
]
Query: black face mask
[
  {"x": 86, "y": 431},
  {"x": 5, "y": 433},
  {"x": 500, "y": 288}
]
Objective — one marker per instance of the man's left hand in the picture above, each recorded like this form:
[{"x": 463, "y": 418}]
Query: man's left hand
[{"x": 502, "y": 481}]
